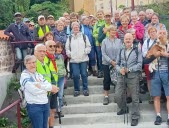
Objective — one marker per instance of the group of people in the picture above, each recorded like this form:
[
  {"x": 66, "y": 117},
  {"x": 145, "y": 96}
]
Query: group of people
[{"x": 121, "y": 40}]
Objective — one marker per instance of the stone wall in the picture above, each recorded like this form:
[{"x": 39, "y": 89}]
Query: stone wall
[{"x": 6, "y": 56}]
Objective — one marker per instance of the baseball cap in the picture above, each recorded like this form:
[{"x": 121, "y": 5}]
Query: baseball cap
[
  {"x": 26, "y": 20},
  {"x": 31, "y": 23},
  {"x": 50, "y": 16},
  {"x": 17, "y": 13},
  {"x": 40, "y": 17}
]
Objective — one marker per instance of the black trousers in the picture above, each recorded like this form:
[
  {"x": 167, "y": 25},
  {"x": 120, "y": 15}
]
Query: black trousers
[{"x": 107, "y": 79}]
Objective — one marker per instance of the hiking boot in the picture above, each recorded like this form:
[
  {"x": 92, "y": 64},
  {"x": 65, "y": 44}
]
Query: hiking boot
[
  {"x": 76, "y": 93},
  {"x": 134, "y": 122},
  {"x": 89, "y": 72},
  {"x": 95, "y": 73},
  {"x": 123, "y": 111},
  {"x": 158, "y": 120},
  {"x": 128, "y": 100},
  {"x": 106, "y": 101},
  {"x": 86, "y": 93},
  {"x": 100, "y": 75},
  {"x": 167, "y": 121}
]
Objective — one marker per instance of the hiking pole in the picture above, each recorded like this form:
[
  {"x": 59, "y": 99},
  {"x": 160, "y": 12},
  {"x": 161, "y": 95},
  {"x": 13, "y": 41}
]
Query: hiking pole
[
  {"x": 59, "y": 114},
  {"x": 124, "y": 97}
]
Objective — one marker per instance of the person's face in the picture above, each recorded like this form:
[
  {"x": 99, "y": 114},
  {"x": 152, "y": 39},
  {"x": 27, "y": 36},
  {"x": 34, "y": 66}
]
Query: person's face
[
  {"x": 154, "y": 19},
  {"x": 149, "y": 15},
  {"x": 153, "y": 34},
  {"x": 100, "y": 15},
  {"x": 66, "y": 15},
  {"x": 124, "y": 22},
  {"x": 60, "y": 27},
  {"x": 86, "y": 21},
  {"x": 107, "y": 19},
  {"x": 117, "y": 15},
  {"x": 40, "y": 53},
  {"x": 42, "y": 21},
  {"x": 76, "y": 29},
  {"x": 162, "y": 35},
  {"x": 73, "y": 19},
  {"x": 134, "y": 17},
  {"x": 128, "y": 40},
  {"x": 51, "y": 21},
  {"x": 142, "y": 16},
  {"x": 31, "y": 65},
  {"x": 93, "y": 22},
  {"x": 49, "y": 37},
  {"x": 127, "y": 12},
  {"x": 59, "y": 50},
  {"x": 51, "y": 47},
  {"x": 18, "y": 18},
  {"x": 31, "y": 27},
  {"x": 112, "y": 33},
  {"x": 27, "y": 23},
  {"x": 67, "y": 22}
]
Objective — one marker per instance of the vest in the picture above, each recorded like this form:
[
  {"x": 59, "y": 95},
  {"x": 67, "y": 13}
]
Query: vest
[
  {"x": 40, "y": 31},
  {"x": 43, "y": 70},
  {"x": 52, "y": 70}
]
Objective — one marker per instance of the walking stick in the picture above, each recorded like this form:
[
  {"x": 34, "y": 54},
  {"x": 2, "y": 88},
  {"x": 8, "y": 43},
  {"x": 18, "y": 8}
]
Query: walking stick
[{"x": 58, "y": 111}]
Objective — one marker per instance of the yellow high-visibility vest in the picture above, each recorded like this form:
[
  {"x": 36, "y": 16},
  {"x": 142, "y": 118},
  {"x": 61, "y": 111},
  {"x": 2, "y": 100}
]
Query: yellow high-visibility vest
[{"x": 40, "y": 31}]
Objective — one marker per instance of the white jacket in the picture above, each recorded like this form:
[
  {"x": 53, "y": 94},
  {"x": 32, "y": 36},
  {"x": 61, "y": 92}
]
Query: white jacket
[
  {"x": 33, "y": 94},
  {"x": 77, "y": 50}
]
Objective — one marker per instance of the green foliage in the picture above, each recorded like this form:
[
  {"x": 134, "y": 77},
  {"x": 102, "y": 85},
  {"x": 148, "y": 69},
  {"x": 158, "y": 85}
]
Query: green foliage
[
  {"x": 48, "y": 8},
  {"x": 6, "y": 11},
  {"x": 122, "y": 6},
  {"x": 3, "y": 122},
  {"x": 22, "y": 5},
  {"x": 13, "y": 85},
  {"x": 81, "y": 11}
]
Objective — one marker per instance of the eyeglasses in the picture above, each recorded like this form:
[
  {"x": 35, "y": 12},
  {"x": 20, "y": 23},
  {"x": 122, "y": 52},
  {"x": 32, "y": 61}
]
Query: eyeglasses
[
  {"x": 50, "y": 46},
  {"x": 31, "y": 25}
]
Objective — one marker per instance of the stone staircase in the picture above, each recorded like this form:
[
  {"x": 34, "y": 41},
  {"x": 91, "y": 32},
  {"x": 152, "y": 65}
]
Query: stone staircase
[{"x": 89, "y": 112}]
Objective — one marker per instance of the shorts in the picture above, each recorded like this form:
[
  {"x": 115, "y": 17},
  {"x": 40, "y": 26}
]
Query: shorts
[
  {"x": 147, "y": 72},
  {"x": 52, "y": 101},
  {"x": 159, "y": 80}
]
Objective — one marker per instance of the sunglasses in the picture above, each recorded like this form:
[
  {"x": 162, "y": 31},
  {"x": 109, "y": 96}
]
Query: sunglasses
[
  {"x": 31, "y": 25},
  {"x": 50, "y": 46}
]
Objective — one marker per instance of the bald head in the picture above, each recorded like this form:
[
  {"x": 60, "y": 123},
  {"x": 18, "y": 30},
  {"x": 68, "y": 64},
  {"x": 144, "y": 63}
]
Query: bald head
[{"x": 128, "y": 40}]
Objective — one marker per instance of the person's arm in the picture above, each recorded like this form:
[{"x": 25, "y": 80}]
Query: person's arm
[
  {"x": 67, "y": 47},
  {"x": 101, "y": 35},
  {"x": 103, "y": 49},
  {"x": 8, "y": 32},
  {"x": 88, "y": 46}
]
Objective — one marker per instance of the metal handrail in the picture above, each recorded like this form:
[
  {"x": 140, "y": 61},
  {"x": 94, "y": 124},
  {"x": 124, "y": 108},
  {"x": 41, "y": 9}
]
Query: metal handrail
[{"x": 18, "y": 110}]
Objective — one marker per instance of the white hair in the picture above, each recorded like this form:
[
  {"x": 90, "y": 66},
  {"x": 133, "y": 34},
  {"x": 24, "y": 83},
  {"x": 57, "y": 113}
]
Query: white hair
[
  {"x": 28, "y": 58},
  {"x": 47, "y": 42},
  {"x": 75, "y": 24},
  {"x": 149, "y": 10},
  {"x": 62, "y": 18},
  {"x": 134, "y": 13},
  {"x": 39, "y": 45}
]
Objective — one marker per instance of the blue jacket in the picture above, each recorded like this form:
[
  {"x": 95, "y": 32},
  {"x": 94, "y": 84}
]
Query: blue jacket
[{"x": 60, "y": 36}]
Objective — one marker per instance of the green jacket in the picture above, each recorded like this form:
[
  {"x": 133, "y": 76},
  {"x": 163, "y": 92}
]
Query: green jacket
[{"x": 96, "y": 31}]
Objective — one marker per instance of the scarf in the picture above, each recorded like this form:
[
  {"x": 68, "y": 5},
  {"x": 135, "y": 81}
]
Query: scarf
[{"x": 52, "y": 58}]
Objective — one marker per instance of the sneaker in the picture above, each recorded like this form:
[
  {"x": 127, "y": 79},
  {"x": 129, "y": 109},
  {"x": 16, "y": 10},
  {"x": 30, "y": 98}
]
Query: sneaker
[
  {"x": 123, "y": 111},
  {"x": 100, "y": 75},
  {"x": 86, "y": 93},
  {"x": 134, "y": 122},
  {"x": 167, "y": 121},
  {"x": 128, "y": 100},
  {"x": 76, "y": 93},
  {"x": 106, "y": 101},
  {"x": 158, "y": 120}
]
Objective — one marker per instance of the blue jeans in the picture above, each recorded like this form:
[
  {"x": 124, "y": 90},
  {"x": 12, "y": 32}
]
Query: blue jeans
[
  {"x": 20, "y": 53},
  {"x": 61, "y": 81},
  {"x": 80, "y": 69},
  {"x": 159, "y": 80},
  {"x": 38, "y": 114},
  {"x": 99, "y": 58},
  {"x": 92, "y": 59}
]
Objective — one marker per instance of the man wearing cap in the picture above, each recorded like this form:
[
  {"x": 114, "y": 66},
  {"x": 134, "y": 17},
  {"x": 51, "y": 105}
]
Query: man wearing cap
[
  {"x": 51, "y": 22},
  {"x": 26, "y": 21},
  {"x": 18, "y": 31},
  {"x": 41, "y": 29}
]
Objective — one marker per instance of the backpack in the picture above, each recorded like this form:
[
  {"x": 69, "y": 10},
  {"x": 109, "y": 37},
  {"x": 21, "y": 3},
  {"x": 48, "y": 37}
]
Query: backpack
[{"x": 70, "y": 38}]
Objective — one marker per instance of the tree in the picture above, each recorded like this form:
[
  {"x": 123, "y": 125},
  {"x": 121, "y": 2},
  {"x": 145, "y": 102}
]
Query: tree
[{"x": 6, "y": 11}]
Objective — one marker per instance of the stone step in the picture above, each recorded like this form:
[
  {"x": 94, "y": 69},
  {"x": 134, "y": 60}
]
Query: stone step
[
  {"x": 93, "y": 89},
  {"x": 91, "y": 81},
  {"x": 96, "y": 98},
  {"x": 100, "y": 108},
  {"x": 113, "y": 118},
  {"x": 114, "y": 125}
]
